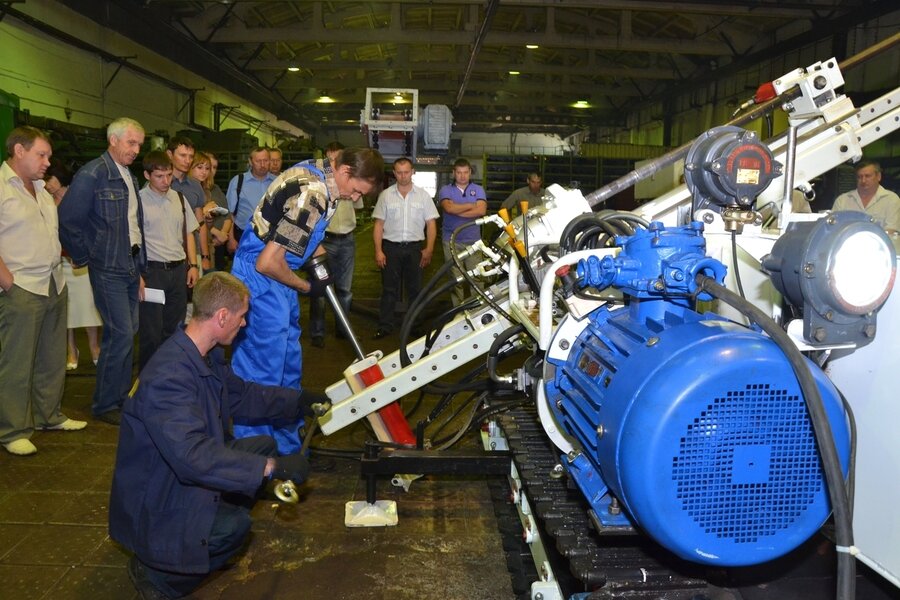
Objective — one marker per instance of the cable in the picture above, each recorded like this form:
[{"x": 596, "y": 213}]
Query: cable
[
  {"x": 831, "y": 465},
  {"x": 493, "y": 355},
  {"x": 472, "y": 283},
  {"x": 734, "y": 260}
]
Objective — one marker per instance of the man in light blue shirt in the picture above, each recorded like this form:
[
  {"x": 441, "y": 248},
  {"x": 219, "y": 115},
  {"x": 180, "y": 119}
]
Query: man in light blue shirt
[{"x": 246, "y": 190}]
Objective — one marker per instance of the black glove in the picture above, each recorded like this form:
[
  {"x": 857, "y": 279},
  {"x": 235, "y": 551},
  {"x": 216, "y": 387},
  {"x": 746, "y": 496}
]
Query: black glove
[
  {"x": 317, "y": 287},
  {"x": 293, "y": 467},
  {"x": 319, "y": 275},
  {"x": 311, "y": 403}
]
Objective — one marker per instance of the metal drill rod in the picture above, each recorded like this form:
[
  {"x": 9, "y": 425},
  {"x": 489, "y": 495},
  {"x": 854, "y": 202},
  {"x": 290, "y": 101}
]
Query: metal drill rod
[{"x": 344, "y": 321}]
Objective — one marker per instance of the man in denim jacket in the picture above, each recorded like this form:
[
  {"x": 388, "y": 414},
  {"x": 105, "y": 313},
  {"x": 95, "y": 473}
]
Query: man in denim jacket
[{"x": 101, "y": 225}]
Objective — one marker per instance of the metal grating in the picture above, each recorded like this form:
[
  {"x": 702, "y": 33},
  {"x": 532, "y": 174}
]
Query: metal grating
[{"x": 748, "y": 466}]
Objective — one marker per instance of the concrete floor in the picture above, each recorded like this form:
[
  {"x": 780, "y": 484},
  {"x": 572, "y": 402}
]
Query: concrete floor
[{"x": 53, "y": 512}]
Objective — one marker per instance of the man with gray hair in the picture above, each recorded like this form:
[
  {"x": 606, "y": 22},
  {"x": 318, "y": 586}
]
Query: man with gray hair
[
  {"x": 101, "y": 225},
  {"x": 869, "y": 197}
]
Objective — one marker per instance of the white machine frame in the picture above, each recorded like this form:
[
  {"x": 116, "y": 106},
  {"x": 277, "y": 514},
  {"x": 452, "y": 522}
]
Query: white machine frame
[{"x": 827, "y": 135}]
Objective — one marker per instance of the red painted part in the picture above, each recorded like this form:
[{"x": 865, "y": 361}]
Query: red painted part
[{"x": 391, "y": 415}]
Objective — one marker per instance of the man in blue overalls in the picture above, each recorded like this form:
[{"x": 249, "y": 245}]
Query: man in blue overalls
[{"x": 287, "y": 228}]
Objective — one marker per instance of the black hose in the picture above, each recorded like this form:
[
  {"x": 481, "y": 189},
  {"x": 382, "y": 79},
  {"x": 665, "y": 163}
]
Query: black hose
[
  {"x": 734, "y": 260},
  {"x": 831, "y": 465},
  {"x": 472, "y": 283},
  {"x": 493, "y": 356}
]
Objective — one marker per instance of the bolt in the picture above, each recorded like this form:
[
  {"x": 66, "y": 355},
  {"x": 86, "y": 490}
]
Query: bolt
[
  {"x": 659, "y": 286},
  {"x": 843, "y": 148},
  {"x": 538, "y": 596},
  {"x": 600, "y": 431},
  {"x": 831, "y": 220},
  {"x": 571, "y": 456},
  {"x": 820, "y": 82},
  {"x": 557, "y": 472},
  {"x": 809, "y": 268},
  {"x": 789, "y": 107},
  {"x": 829, "y": 315},
  {"x": 614, "y": 508},
  {"x": 652, "y": 341},
  {"x": 869, "y": 330},
  {"x": 716, "y": 165},
  {"x": 485, "y": 319},
  {"x": 708, "y": 218},
  {"x": 564, "y": 344},
  {"x": 819, "y": 335},
  {"x": 559, "y": 404}
]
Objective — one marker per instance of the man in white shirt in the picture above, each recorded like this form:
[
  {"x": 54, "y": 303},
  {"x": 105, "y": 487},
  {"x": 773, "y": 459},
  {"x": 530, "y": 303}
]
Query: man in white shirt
[
  {"x": 869, "y": 197},
  {"x": 405, "y": 215},
  {"x": 169, "y": 226},
  {"x": 32, "y": 297},
  {"x": 275, "y": 160}
]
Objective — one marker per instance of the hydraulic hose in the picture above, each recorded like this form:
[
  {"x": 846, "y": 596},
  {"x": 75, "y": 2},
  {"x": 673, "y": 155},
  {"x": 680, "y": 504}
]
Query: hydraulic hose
[
  {"x": 837, "y": 491},
  {"x": 493, "y": 356},
  {"x": 462, "y": 269}
]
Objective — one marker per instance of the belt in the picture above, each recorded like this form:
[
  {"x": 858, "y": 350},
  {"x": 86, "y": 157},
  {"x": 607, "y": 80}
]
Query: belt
[
  {"x": 168, "y": 266},
  {"x": 337, "y": 236},
  {"x": 410, "y": 243},
  {"x": 135, "y": 250}
]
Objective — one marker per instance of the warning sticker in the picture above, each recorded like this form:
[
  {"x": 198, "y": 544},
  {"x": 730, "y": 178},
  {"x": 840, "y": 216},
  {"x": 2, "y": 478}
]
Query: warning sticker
[{"x": 747, "y": 176}]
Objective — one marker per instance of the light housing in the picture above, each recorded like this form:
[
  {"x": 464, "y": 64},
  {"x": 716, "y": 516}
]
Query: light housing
[{"x": 839, "y": 270}]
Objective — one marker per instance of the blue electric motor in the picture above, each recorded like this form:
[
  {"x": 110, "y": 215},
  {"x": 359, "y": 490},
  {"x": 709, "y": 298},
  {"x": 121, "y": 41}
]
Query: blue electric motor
[{"x": 692, "y": 425}]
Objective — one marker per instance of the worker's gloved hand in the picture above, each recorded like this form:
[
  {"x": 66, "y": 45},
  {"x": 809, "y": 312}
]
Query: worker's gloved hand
[
  {"x": 319, "y": 275},
  {"x": 312, "y": 404},
  {"x": 293, "y": 467},
  {"x": 317, "y": 287}
]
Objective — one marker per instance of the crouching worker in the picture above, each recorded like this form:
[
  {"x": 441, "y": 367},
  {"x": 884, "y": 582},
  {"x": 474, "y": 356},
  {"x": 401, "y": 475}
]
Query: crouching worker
[{"x": 183, "y": 486}]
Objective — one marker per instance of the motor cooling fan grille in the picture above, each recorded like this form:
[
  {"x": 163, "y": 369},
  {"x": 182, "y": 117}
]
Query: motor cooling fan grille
[{"x": 747, "y": 466}]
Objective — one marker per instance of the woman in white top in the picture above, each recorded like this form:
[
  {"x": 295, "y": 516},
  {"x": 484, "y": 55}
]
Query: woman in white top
[{"x": 81, "y": 310}]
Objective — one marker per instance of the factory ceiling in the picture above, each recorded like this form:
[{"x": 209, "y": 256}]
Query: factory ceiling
[{"x": 474, "y": 55}]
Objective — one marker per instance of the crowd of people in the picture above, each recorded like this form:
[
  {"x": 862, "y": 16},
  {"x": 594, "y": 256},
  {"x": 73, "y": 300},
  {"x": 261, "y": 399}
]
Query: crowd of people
[{"x": 199, "y": 435}]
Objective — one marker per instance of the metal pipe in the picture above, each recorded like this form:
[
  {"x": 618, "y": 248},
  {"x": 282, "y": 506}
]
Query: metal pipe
[
  {"x": 790, "y": 159},
  {"x": 343, "y": 321}
]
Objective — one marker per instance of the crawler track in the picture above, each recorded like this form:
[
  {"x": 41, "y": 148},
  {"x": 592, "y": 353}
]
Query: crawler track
[{"x": 620, "y": 564}]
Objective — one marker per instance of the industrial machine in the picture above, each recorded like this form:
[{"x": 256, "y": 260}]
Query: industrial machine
[{"x": 689, "y": 377}]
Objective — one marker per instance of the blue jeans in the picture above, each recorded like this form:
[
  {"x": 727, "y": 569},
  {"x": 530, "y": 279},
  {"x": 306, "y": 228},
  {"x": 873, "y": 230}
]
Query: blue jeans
[
  {"x": 341, "y": 260},
  {"x": 116, "y": 297}
]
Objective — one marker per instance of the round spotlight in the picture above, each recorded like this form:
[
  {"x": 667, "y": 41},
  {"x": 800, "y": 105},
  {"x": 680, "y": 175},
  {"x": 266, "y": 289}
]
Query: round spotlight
[
  {"x": 839, "y": 270},
  {"x": 861, "y": 289}
]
